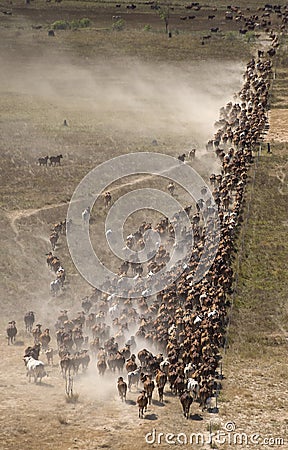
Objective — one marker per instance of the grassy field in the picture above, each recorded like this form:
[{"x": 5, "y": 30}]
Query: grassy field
[{"x": 256, "y": 358}]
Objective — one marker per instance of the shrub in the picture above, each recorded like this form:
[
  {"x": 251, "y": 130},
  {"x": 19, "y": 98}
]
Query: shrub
[
  {"x": 60, "y": 25},
  {"x": 74, "y": 24},
  {"x": 118, "y": 25},
  {"x": 231, "y": 35},
  {"x": 84, "y": 23},
  {"x": 147, "y": 27},
  {"x": 250, "y": 36}
]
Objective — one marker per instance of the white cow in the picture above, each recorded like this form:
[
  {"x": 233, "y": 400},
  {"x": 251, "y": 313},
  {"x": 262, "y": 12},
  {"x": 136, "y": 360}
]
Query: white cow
[
  {"x": 55, "y": 286},
  {"x": 189, "y": 370},
  {"x": 86, "y": 215},
  {"x": 134, "y": 377},
  {"x": 164, "y": 366},
  {"x": 193, "y": 387},
  {"x": 114, "y": 310},
  {"x": 35, "y": 368}
]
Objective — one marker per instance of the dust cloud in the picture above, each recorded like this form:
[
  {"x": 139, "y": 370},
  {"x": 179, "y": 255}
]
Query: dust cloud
[
  {"x": 127, "y": 96},
  {"x": 122, "y": 101}
]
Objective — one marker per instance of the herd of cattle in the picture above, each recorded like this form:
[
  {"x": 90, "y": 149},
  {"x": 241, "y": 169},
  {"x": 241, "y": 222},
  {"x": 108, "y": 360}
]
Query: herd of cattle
[
  {"x": 242, "y": 17},
  {"x": 185, "y": 324},
  {"x": 53, "y": 160}
]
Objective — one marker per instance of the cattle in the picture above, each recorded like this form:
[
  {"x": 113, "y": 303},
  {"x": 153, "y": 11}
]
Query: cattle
[
  {"x": 49, "y": 355},
  {"x": 142, "y": 402},
  {"x": 55, "y": 286},
  {"x": 102, "y": 366},
  {"x": 164, "y": 366},
  {"x": 86, "y": 304},
  {"x": 132, "y": 6},
  {"x": 171, "y": 188},
  {"x": 111, "y": 362},
  {"x": 133, "y": 378},
  {"x": 33, "y": 351},
  {"x": 61, "y": 275},
  {"x": 179, "y": 384},
  {"x": 119, "y": 362},
  {"x": 131, "y": 364},
  {"x": 125, "y": 351},
  {"x": 45, "y": 339},
  {"x": 54, "y": 160},
  {"x": 214, "y": 29},
  {"x": 66, "y": 364},
  {"x": 60, "y": 227},
  {"x": 149, "y": 387},
  {"x": 193, "y": 387},
  {"x": 29, "y": 320},
  {"x": 43, "y": 161},
  {"x": 229, "y": 15},
  {"x": 53, "y": 262},
  {"x": 144, "y": 356},
  {"x": 186, "y": 402},
  {"x": 11, "y": 331},
  {"x": 204, "y": 395},
  {"x": 185, "y": 321},
  {"x": 211, "y": 16},
  {"x": 122, "y": 388},
  {"x": 182, "y": 157},
  {"x": 53, "y": 238},
  {"x": 192, "y": 153},
  {"x": 35, "y": 369},
  {"x": 86, "y": 215},
  {"x": 161, "y": 379},
  {"x": 172, "y": 375},
  {"x": 271, "y": 52},
  {"x": 107, "y": 199},
  {"x": 189, "y": 370}
]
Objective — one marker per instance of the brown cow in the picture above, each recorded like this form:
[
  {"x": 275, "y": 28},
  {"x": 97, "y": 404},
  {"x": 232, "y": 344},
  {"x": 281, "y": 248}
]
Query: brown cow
[
  {"x": 101, "y": 365},
  {"x": 186, "y": 402},
  {"x": 11, "y": 332},
  {"x": 161, "y": 379},
  {"x": 142, "y": 402},
  {"x": 122, "y": 388},
  {"x": 149, "y": 387},
  {"x": 53, "y": 238}
]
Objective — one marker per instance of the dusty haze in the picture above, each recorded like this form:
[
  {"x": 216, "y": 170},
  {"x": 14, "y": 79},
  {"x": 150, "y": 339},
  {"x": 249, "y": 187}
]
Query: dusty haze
[{"x": 119, "y": 98}]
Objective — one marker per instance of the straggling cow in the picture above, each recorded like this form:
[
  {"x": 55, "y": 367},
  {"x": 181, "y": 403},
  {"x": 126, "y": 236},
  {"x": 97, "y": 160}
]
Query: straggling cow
[{"x": 35, "y": 368}]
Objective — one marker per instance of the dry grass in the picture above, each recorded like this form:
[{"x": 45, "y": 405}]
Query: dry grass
[{"x": 72, "y": 398}]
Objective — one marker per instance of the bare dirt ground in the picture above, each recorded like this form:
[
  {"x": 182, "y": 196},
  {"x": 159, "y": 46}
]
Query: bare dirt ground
[{"x": 118, "y": 92}]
